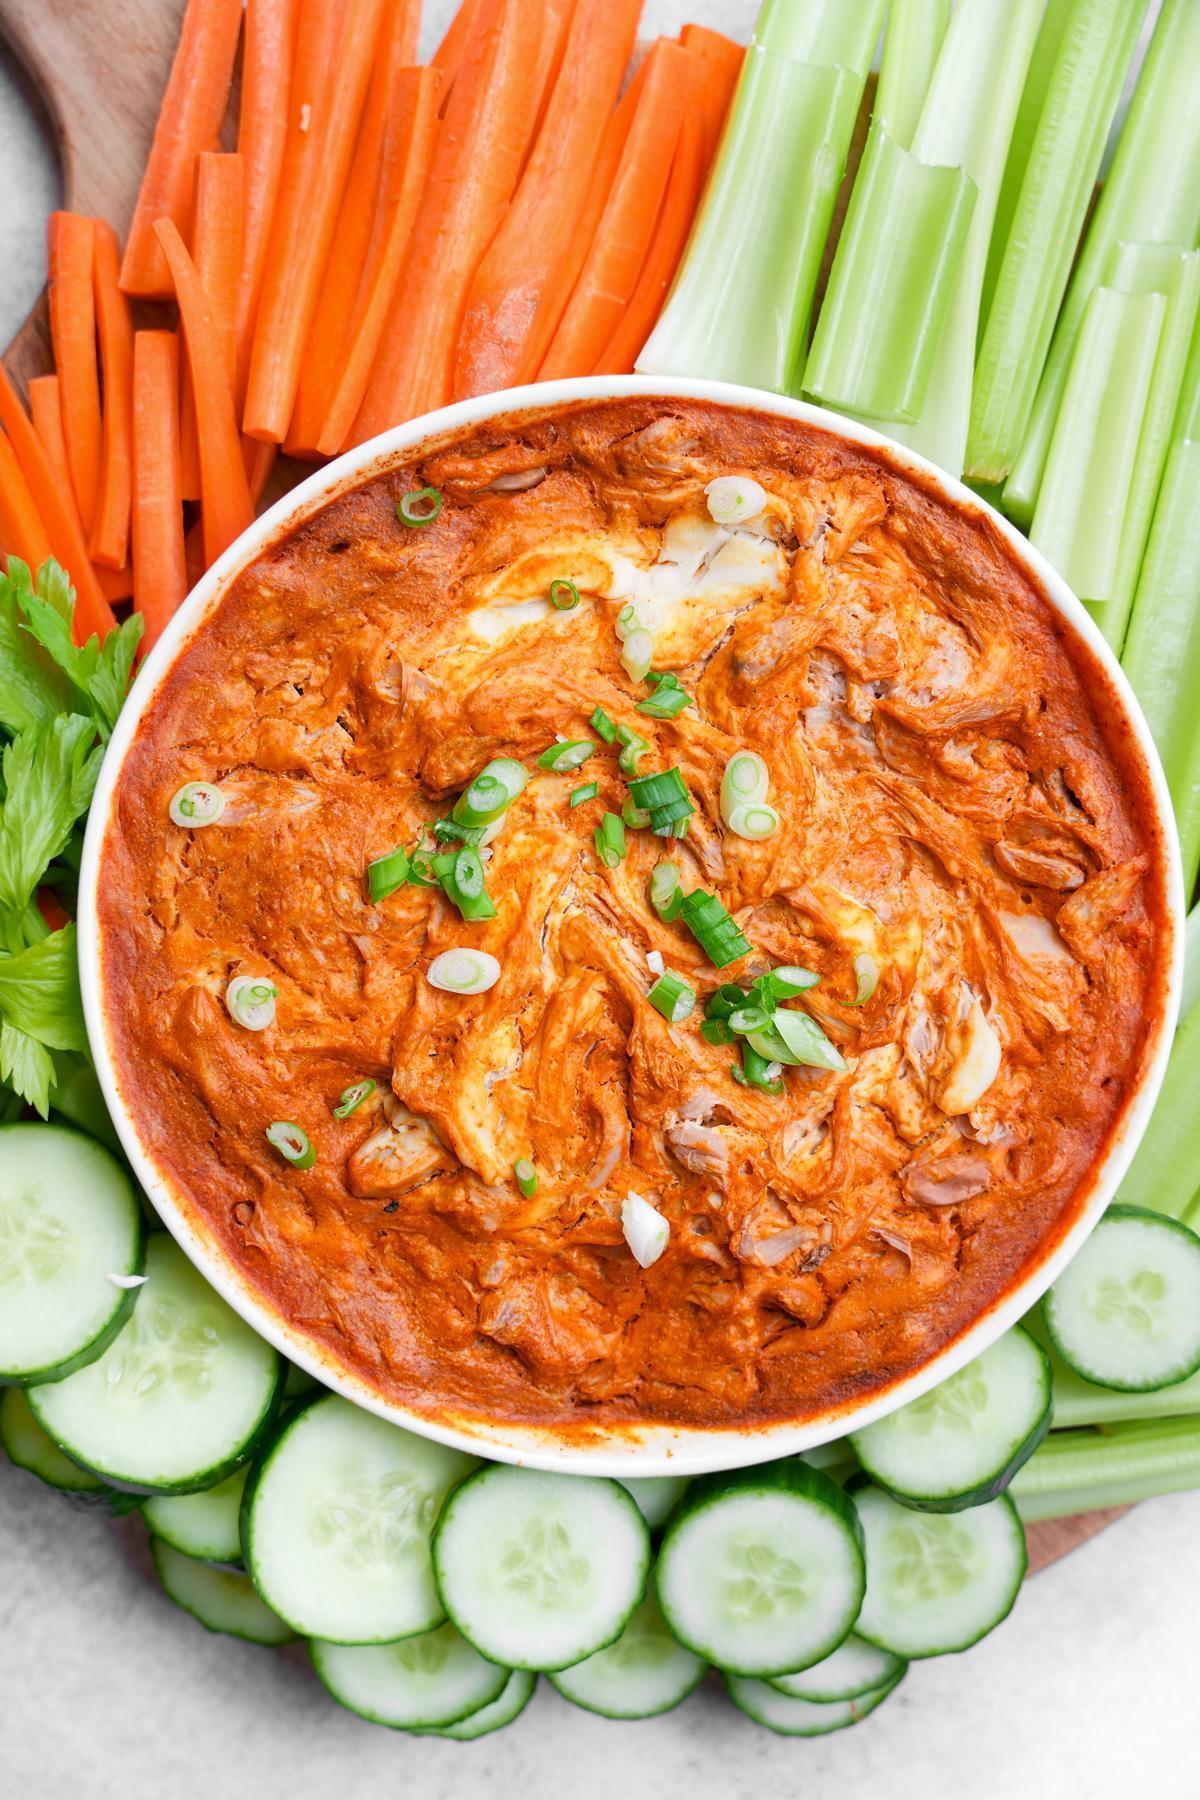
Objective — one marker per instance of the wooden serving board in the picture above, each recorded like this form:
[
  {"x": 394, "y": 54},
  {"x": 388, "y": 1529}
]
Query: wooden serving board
[{"x": 100, "y": 67}]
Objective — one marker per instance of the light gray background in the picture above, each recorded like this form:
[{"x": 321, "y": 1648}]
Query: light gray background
[{"x": 109, "y": 1693}]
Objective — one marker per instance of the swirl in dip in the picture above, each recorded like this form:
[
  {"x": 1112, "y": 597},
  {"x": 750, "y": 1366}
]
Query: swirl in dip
[{"x": 962, "y": 808}]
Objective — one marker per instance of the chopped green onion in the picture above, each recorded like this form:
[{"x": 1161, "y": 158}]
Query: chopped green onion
[
  {"x": 633, "y": 748},
  {"x": 352, "y": 1098},
  {"x": 716, "y": 1031},
  {"x": 443, "y": 864},
  {"x": 713, "y": 929},
  {"x": 464, "y": 884},
  {"x": 758, "y": 1071},
  {"x": 734, "y": 498},
  {"x": 866, "y": 974},
  {"x": 421, "y": 872},
  {"x": 196, "y": 803},
  {"x": 450, "y": 831},
  {"x": 635, "y": 817},
  {"x": 666, "y": 895},
  {"x": 603, "y": 726},
  {"x": 790, "y": 979},
  {"x": 793, "y": 1037},
  {"x": 671, "y": 820},
  {"x": 251, "y": 1002},
  {"x": 746, "y": 779},
  {"x": 627, "y": 621},
  {"x": 653, "y": 791},
  {"x": 420, "y": 507},
  {"x": 637, "y": 653},
  {"x": 387, "y": 873},
  {"x": 526, "y": 1176},
  {"x": 723, "y": 1001},
  {"x": 492, "y": 792},
  {"x": 588, "y": 791},
  {"x": 564, "y": 595},
  {"x": 468, "y": 873},
  {"x": 609, "y": 838},
  {"x": 757, "y": 821},
  {"x": 463, "y": 971},
  {"x": 561, "y": 758},
  {"x": 745, "y": 1019},
  {"x": 672, "y": 996},
  {"x": 292, "y": 1143},
  {"x": 667, "y": 701}
]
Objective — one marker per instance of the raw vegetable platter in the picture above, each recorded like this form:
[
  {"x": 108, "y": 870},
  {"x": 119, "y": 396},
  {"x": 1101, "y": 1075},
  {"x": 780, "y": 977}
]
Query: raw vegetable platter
[{"x": 973, "y": 307}]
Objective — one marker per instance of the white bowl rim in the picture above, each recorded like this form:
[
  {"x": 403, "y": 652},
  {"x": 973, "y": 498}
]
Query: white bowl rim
[{"x": 620, "y": 1449}]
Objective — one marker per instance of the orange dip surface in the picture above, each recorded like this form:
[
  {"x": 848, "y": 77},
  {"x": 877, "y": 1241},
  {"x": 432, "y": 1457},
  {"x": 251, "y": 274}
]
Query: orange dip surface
[{"x": 961, "y": 801}]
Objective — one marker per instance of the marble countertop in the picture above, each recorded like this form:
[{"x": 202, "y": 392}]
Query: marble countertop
[{"x": 110, "y": 1693}]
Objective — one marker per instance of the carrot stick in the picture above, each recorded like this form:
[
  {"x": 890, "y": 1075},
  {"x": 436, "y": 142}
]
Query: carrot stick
[
  {"x": 115, "y": 584},
  {"x": 504, "y": 333},
  {"x": 217, "y": 254},
  {"x": 448, "y": 56},
  {"x": 411, "y": 139},
  {"x": 260, "y": 459},
  {"x": 190, "y": 121},
  {"x": 343, "y": 273},
  {"x": 334, "y": 56},
  {"x": 478, "y": 157},
  {"x": 556, "y": 29},
  {"x": 721, "y": 63},
  {"x": 46, "y": 410},
  {"x": 614, "y": 263},
  {"x": 160, "y": 582},
  {"x": 224, "y": 493},
  {"x": 92, "y": 611},
  {"x": 73, "y": 338},
  {"x": 684, "y": 188},
  {"x": 52, "y": 909},
  {"x": 268, "y": 55},
  {"x": 110, "y": 530},
  {"x": 22, "y": 532}
]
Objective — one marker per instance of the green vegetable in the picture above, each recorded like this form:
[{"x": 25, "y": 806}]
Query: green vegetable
[
  {"x": 603, "y": 726},
  {"x": 661, "y": 789},
  {"x": 866, "y": 976},
  {"x": 1081, "y": 1471},
  {"x": 716, "y": 1031},
  {"x": 292, "y": 1143},
  {"x": 633, "y": 748},
  {"x": 915, "y": 33},
  {"x": 666, "y": 895},
  {"x": 491, "y": 793},
  {"x": 564, "y": 595},
  {"x": 387, "y": 873},
  {"x": 463, "y": 883},
  {"x": 754, "y": 822},
  {"x": 526, "y": 1176},
  {"x": 794, "y": 1037},
  {"x": 588, "y": 791},
  {"x": 90, "y": 678},
  {"x": 353, "y": 1097},
  {"x": 672, "y": 996},
  {"x": 746, "y": 778},
  {"x": 758, "y": 1071},
  {"x": 635, "y": 817},
  {"x": 420, "y": 507},
  {"x": 713, "y": 929},
  {"x": 609, "y": 838},
  {"x": 1165, "y": 1172},
  {"x": 668, "y": 699},
  {"x": 560, "y": 759},
  {"x": 49, "y": 773}
]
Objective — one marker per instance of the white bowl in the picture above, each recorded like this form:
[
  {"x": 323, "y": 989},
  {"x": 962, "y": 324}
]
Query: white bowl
[{"x": 621, "y": 1448}]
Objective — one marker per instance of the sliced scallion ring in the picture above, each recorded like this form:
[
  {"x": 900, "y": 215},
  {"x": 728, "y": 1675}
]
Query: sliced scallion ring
[
  {"x": 603, "y": 726},
  {"x": 387, "y": 873},
  {"x": 609, "y": 838},
  {"x": 292, "y": 1143},
  {"x": 627, "y": 621},
  {"x": 420, "y": 507},
  {"x": 666, "y": 894},
  {"x": 633, "y": 748},
  {"x": 196, "y": 803},
  {"x": 791, "y": 979},
  {"x": 492, "y": 792},
  {"x": 756, "y": 821},
  {"x": 463, "y": 971},
  {"x": 672, "y": 996},
  {"x": 351, "y": 1098},
  {"x": 746, "y": 778},
  {"x": 560, "y": 759},
  {"x": 749, "y": 1018},
  {"x": 732, "y": 499},
  {"x": 866, "y": 974},
  {"x": 589, "y": 790},
  {"x": 636, "y": 817},
  {"x": 794, "y": 1037},
  {"x": 637, "y": 653},
  {"x": 526, "y": 1176},
  {"x": 250, "y": 1002},
  {"x": 564, "y": 595}
]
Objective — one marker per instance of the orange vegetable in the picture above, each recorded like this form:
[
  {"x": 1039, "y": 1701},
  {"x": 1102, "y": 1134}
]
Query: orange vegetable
[
  {"x": 193, "y": 110},
  {"x": 224, "y": 492},
  {"x": 160, "y": 582},
  {"x": 623, "y": 237},
  {"x": 268, "y": 54},
  {"x": 217, "y": 254},
  {"x": 721, "y": 64},
  {"x": 260, "y": 459},
  {"x": 73, "y": 339},
  {"x": 557, "y": 19},
  {"x": 58, "y": 513},
  {"x": 334, "y": 58},
  {"x": 480, "y": 148},
  {"x": 449, "y": 54},
  {"x": 504, "y": 330},
  {"x": 22, "y": 532},
  {"x": 52, "y": 909},
  {"x": 325, "y": 345},
  {"x": 110, "y": 530},
  {"x": 46, "y": 410},
  {"x": 408, "y": 153},
  {"x": 115, "y": 584}
]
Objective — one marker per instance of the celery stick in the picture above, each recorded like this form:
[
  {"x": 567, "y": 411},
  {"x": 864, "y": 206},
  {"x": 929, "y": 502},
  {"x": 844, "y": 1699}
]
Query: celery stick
[
  {"x": 1080, "y": 1471},
  {"x": 827, "y": 33},
  {"x": 1173, "y": 272},
  {"x": 1191, "y": 970},
  {"x": 1078, "y": 1402},
  {"x": 1081, "y": 507},
  {"x": 891, "y": 283},
  {"x": 967, "y": 121},
  {"x": 915, "y": 31},
  {"x": 1038, "y": 226},
  {"x": 1165, "y": 1172},
  {"x": 1162, "y": 647},
  {"x": 1151, "y": 195}
]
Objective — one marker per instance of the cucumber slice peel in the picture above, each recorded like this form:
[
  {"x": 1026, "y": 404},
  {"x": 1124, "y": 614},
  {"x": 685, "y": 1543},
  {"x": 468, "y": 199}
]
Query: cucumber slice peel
[
  {"x": 763, "y": 1702},
  {"x": 223, "y": 1600},
  {"x": 1125, "y": 1313},
  {"x": 643, "y": 1673},
  {"x": 761, "y": 1570},
  {"x": 203, "y": 1525},
  {"x": 855, "y": 1668},
  {"x": 960, "y": 1444},
  {"x": 29, "y": 1447},
  {"x": 422, "y": 1683},
  {"x": 516, "y": 1695}
]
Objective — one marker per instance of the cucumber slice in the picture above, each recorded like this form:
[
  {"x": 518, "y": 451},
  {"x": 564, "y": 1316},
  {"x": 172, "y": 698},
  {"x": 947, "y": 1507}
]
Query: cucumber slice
[
  {"x": 656, "y": 1497},
  {"x": 518, "y": 1692},
  {"x": 855, "y": 1668},
  {"x": 336, "y": 1522},
  {"x": 539, "y": 1571},
  {"x": 69, "y": 1218},
  {"x": 961, "y": 1443},
  {"x": 28, "y": 1447},
  {"x": 298, "y": 1382},
  {"x": 203, "y": 1525},
  {"x": 419, "y": 1684},
  {"x": 179, "y": 1397},
  {"x": 222, "y": 1599},
  {"x": 643, "y": 1673},
  {"x": 762, "y": 1702},
  {"x": 761, "y": 1570},
  {"x": 939, "y": 1581},
  {"x": 1125, "y": 1313}
]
